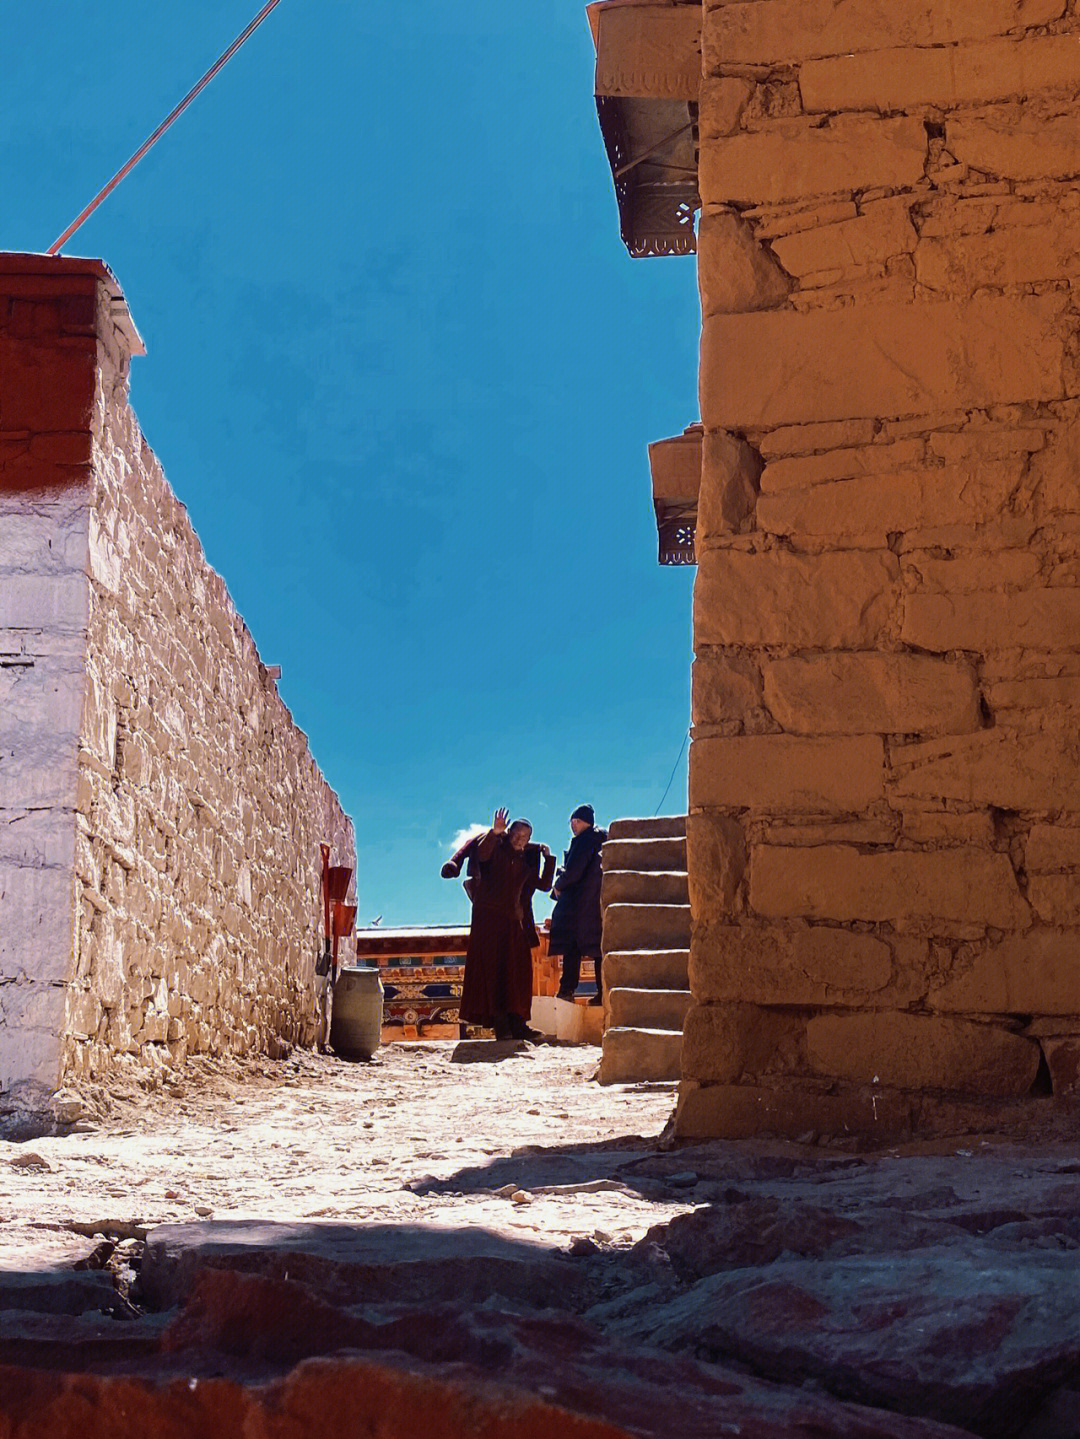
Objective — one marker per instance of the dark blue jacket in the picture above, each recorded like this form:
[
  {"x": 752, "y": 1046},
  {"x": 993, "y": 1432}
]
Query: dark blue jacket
[{"x": 576, "y": 920}]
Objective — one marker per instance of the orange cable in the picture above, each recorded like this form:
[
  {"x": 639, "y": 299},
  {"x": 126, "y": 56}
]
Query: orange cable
[{"x": 54, "y": 248}]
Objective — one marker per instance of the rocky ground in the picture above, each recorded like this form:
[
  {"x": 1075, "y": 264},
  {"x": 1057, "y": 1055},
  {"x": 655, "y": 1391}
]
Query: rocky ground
[{"x": 478, "y": 1240}]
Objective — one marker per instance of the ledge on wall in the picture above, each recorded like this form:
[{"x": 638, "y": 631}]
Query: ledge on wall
[
  {"x": 676, "y": 480},
  {"x": 648, "y": 75}
]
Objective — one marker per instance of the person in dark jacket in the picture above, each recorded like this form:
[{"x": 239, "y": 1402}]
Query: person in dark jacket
[
  {"x": 497, "y": 989},
  {"x": 575, "y": 921}
]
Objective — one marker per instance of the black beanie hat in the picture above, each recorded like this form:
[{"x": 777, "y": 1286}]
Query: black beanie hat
[{"x": 585, "y": 812}]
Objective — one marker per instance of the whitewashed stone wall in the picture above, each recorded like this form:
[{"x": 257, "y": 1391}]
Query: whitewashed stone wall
[
  {"x": 43, "y": 616},
  {"x": 160, "y": 812}
]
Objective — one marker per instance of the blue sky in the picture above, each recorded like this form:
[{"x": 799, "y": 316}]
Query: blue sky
[{"x": 403, "y": 375}]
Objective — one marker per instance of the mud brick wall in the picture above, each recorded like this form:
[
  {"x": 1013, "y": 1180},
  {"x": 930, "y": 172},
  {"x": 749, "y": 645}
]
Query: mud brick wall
[
  {"x": 884, "y": 844},
  {"x": 160, "y": 813}
]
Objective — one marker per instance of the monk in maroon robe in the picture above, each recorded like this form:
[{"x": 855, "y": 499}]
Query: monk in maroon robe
[{"x": 497, "y": 989}]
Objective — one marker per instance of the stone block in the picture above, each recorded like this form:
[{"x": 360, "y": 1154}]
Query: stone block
[
  {"x": 622, "y": 886},
  {"x": 921, "y": 1051},
  {"x": 877, "y": 827},
  {"x": 83, "y": 1014},
  {"x": 944, "y": 77},
  {"x": 795, "y": 159},
  {"x": 38, "y": 838},
  {"x": 73, "y": 447},
  {"x": 646, "y": 1008},
  {"x": 785, "y": 368},
  {"x": 635, "y": 1056},
  {"x": 1055, "y": 898},
  {"x": 871, "y": 694},
  {"x": 721, "y": 104},
  {"x": 47, "y": 388},
  {"x": 988, "y": 621},
  {"x": 735, "y": 272},
  {"x": 944, "y": 827},
  {"x": 1055, "y": 473},
  {"x": 1052, "y": 847},
  {"x": 1016, "y": 142},
  {"x": 745, "y": 1111},
  {"x": 33, "y": 1006},
  {"x": 1026, "y": 772},
  {"x": 44, "y": 696},
  {"x": 1063, "y": 1061},
  {"x": 1059, "y": 692},
  {"x": 30, "y": 1059},
  {"x": 648, "y": 855},
  {"x": 103, "y": 560},
  {"x": 47, "y": 535},
  {"x": 725, "y": 687},
  {"x": 716, "y": 862},
  {"x": 827, "y": 601},
  {"x": 800, "y": 964},
  {"x": 646, "y": 969},
  {"x": 729, "y": 485},
  {"x": 646, "y": 926},
  {"x": 781, "y": 774},
  {"x": 37, "y": 916},
  {"x": 962, "y": 573},
  {"x": 822, "y": 440},
  {"x": 55, "y": 602},
  {"x": 749, "y": 32},
  {"x": 957, "y": 265},
  {"x": 723, "y": 1043},
  {"x": 935, "y": 893},
  {"x": 876, "y": 506},
  {"x": 799, "y": 472},
  {"x": 881, "y": 232}
]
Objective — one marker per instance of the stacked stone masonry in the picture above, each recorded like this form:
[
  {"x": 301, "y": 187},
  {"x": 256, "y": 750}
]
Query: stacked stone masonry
[
  {"x": 884, "y": 839},
  {"x": 160, "y": 813}
]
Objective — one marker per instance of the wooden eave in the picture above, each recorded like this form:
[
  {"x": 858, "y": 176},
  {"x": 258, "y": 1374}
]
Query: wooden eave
[
  {"x": 648, "y": 78},
  {"x": 675, "y": 464}
]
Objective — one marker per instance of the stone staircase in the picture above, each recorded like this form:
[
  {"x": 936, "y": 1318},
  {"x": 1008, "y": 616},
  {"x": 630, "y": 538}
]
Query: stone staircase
[{"x": 646, "y": 948}]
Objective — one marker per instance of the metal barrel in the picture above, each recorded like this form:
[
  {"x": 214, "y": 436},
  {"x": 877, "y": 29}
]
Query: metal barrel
[{"x": 356, "y": 1022}]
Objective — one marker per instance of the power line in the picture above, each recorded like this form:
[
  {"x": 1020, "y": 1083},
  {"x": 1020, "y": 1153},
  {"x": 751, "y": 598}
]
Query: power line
[
  {"x": 54, "y": 248},
  {"x": 664, "y": 796}
]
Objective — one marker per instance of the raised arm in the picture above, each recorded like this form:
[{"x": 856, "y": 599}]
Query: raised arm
[{"x": 486, "y": 848}]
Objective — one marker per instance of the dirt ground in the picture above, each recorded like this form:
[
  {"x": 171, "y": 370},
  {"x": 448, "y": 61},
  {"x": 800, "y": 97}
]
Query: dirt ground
[
  {"x": 485, "y": 1215},
  {"x": 317, "y": 1138}
]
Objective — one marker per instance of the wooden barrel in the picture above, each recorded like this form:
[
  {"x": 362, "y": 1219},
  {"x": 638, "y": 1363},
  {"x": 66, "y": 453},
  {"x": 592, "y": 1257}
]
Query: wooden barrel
[{"x": 356, "y": 1023}]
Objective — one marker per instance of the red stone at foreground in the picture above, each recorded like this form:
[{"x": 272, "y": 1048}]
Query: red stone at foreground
[{"x": 437, "y": 1373}]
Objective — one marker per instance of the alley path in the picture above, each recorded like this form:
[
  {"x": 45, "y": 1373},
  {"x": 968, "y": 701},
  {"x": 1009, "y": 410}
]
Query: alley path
[
  {"x": 316, "y": 1138},
  {"x": 460, "y": 1228}
]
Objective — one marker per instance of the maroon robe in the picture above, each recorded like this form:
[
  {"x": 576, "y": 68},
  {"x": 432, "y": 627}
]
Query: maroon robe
[{"x": 498, "y": 962}]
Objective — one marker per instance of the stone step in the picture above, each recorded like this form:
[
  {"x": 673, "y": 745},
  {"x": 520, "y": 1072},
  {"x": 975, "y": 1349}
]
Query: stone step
[
  {"x": 648, "y": 1008},
  {"x": 635, "y": 886},
  {"x": 646, "y": 926},
  {"x": 647, "y": 854},
  {"x": 663, "y": 826},
  {"x": 634, "y": 1055},
  {"x": 647, "y": 969}
]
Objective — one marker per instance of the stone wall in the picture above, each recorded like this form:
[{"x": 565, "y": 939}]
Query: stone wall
[
  {"x": 160, "y": 813},
  {"x": 884, "y": 844}
]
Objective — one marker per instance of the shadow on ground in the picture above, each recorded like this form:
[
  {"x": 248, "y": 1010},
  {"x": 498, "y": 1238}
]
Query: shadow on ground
[{"x": 800, "y": 1293}]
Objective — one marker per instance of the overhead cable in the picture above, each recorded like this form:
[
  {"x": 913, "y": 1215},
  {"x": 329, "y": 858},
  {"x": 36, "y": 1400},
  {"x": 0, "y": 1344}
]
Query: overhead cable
[{"x": 54, "y": 248}]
